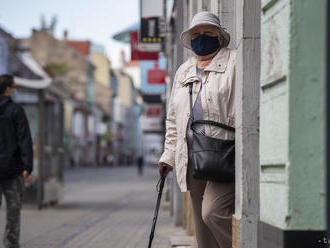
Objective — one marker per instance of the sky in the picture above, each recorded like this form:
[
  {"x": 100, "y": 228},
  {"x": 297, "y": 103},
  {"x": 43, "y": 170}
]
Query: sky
[{"x": 94, "y": 20}]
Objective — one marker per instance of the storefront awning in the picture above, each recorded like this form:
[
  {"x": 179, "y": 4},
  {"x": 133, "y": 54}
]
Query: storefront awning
[
  {"x": 124, "y": 36},
  {"x": 33, "y": 65}
]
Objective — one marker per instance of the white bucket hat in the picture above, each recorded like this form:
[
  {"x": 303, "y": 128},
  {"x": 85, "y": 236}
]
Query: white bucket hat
[{"x": 204, "y": 18}]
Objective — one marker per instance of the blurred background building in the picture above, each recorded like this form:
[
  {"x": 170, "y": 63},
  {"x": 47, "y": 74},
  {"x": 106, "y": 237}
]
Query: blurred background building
[{"x": 69, "y": 90}]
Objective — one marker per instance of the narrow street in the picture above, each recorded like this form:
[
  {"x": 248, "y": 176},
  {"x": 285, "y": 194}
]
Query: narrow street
[{"x": 102, "y": 207}]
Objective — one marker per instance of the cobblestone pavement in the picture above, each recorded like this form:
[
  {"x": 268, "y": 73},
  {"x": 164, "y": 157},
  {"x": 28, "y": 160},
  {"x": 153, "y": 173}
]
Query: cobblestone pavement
[{"x": 102, "y": 208}]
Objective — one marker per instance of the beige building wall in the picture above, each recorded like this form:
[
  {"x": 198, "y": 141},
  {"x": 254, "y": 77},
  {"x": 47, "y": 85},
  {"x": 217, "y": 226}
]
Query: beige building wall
[
  {"x": 68, "y": 116},
  {"x": 102, "y": 67},
  {"x": 62, "y": 60},
  {"x": 101, "y": 74},
  {"x": 124, "y": 89},
  {"x": 103, "y": 97}
]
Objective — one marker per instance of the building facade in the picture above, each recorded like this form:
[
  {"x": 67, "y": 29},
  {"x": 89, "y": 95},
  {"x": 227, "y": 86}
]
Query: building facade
[
  {"x": 292, "y": 124},
  {"x": 125, "y": 119}
]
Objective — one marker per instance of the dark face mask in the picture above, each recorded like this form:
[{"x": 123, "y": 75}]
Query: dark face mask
[{"x": 204, "y": 45}]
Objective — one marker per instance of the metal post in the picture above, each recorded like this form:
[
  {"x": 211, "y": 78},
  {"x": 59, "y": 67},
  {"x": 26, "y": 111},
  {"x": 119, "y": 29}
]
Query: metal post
[{"x": 41, "y": 151}]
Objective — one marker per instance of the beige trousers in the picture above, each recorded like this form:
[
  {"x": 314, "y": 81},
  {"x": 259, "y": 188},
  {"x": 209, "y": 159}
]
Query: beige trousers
[{"x": 213, "y": 206}]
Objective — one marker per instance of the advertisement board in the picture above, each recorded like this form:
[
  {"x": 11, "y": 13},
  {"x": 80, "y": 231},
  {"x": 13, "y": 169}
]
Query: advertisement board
[
  {"x": 151, "y": 78},
  {"x": 149, "y": 30},
  {"x": 156, "y": 75},
  {"x": 154, "y": 110},
  {"x": 152, "y": 118},
  {"x": 136, "y": 53},
  {"x": 152, "y": 27}
]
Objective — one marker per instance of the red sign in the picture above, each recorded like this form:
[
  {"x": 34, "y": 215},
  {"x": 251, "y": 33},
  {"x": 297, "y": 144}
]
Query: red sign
[
  {"x": 154, "y": 111},
  {"x": 156, "y": 75},
  {"x": 136, "y": 54}
]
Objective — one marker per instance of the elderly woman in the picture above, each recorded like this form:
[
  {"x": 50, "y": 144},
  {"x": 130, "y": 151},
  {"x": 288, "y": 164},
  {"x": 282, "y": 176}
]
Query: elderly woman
[{"x": 212, "y": 74}]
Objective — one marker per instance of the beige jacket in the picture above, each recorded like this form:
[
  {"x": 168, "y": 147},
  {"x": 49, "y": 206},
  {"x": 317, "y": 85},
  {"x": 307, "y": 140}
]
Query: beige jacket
[{"x": 217, "y": 96}]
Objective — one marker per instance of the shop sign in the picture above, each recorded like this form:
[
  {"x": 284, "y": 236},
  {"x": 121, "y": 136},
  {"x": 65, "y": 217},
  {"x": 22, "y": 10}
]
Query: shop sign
[
  {"x": 136, "y": 53},
  {"x": 156, "y": 75}
]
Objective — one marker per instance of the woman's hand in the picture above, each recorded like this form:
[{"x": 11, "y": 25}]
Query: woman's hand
[{"x": 164, "y": 169}]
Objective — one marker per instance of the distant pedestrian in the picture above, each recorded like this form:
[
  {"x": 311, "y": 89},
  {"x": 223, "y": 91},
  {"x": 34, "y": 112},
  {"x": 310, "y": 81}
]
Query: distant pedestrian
[
  {"x": 140, "y": 164},
  {"x": 211, "y": 76},
  {"x": 16, "y": 158}
]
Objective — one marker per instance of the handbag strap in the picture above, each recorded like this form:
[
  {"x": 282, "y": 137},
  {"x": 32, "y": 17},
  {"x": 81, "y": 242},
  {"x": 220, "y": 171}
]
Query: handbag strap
[
  {"x": 190, "y": 100},
  {"x": 207, "y": 122}
]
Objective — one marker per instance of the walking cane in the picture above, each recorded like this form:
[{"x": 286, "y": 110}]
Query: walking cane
[{"x": 160, "y": 191}]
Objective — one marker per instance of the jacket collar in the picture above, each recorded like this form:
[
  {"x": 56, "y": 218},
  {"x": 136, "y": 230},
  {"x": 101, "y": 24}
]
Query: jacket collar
[
  {"x": 218, "y": 64},
  {"x": 4, "y": 100}
]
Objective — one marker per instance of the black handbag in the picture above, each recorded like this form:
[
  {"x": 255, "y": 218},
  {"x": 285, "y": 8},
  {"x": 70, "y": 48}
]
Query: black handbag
[{"x": 211, "y": 159}]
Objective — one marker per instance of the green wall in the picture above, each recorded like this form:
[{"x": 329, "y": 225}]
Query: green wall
[
  {"x": 274, "y": 112},
  {"x": 307, "y": 115},
  {"x": 292, "y": 114}
]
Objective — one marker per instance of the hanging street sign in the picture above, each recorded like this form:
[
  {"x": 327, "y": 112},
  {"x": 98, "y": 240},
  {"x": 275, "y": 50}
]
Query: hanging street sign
[
  {"x": 152, "y": 24},
  {"x": 149, "y": 30},
  {"x": 136, "y": 53},
  {"x": 156, "y": 75}
]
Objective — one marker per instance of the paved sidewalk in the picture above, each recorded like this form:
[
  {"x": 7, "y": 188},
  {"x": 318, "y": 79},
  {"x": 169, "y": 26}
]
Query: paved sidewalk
[{"x": 102, "y": 208}]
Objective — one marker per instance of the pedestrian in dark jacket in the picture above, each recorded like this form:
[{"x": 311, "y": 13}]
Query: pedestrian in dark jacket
[
  {"x": 140, "y": 165},
  {"x": 16, "y": 158}
]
